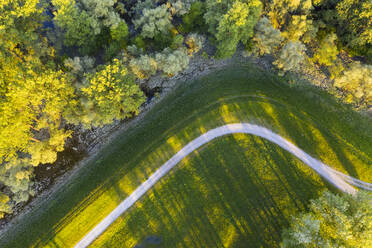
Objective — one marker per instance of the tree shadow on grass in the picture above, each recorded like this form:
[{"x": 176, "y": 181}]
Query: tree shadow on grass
[{"x": 220, "y": 190}]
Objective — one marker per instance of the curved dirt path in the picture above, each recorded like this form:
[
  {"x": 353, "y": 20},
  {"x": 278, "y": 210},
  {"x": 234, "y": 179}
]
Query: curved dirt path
[{"x": 338, "y": 179}]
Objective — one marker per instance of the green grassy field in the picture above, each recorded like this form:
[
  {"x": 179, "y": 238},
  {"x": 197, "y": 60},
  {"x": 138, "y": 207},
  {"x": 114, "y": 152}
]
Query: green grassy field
[{"x": 235, "y": 190}]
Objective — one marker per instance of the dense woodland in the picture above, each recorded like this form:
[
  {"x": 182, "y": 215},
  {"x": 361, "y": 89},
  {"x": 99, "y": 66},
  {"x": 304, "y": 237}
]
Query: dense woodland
[{"x": 79, "y": 62}]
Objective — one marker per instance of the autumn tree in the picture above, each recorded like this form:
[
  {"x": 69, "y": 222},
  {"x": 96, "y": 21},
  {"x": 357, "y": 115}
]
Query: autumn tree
[
  {"x": 34, "y": 94},
  {"x": 355, "y": 19},
  {"x": 231, "y": 22},
  {"x": 332, "y": 221}
]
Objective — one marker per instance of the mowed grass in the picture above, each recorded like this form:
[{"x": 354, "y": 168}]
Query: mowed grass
[
  {"x": 237, "y": 191},
  {"x": 311, "y": 119}
]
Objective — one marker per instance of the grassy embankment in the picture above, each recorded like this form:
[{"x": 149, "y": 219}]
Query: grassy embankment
[{"x": 236, "y": 190}]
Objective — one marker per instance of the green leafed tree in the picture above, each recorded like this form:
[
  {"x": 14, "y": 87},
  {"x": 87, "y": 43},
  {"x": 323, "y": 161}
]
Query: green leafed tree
[
  {"x": 231, "y": 22},
  {"x": 17, "y": 176},
  {"x": 266, "y": 38},
  {"x": 291, "y": 56},
  {"x": 332, "y": 221},
  {"x": 356, "y": 82},
  {"x": 109, "y": 94},
  {"x": 355, "y": 25},
  {"x": 79, "y": 28},
  {"x": 326, "y": 52},
  {"x": 83, "y": 21},
  {"x": 292, "y": 18},
  {"x": 194, "y": 20},
  {"x": 352, "y": 21}
]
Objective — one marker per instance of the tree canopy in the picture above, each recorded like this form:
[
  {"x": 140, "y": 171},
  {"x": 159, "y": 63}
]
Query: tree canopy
[{"x": 332, "y": 221}]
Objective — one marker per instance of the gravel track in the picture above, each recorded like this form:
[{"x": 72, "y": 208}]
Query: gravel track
[{"x": 338, "y": 179}]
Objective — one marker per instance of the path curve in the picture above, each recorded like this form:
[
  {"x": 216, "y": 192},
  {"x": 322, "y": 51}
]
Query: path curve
[{"x": 338, "y": 179}]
